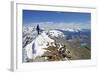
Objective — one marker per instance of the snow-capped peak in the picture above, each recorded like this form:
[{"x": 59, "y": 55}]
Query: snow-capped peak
[{"x": 56, "y": 33}]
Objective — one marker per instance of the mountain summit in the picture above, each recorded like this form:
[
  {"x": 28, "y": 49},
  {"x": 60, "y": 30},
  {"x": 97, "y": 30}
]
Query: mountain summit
[{"x": 43, "y": 40}]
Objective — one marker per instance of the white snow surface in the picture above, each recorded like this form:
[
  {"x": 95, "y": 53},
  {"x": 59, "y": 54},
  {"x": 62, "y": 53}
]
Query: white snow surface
[
  {"x": 41, "y": 41},
  {"x": 56, "y": 33}
]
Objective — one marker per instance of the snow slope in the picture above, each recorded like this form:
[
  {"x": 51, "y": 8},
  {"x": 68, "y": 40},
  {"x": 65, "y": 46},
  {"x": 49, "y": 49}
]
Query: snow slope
[
  {"x": 35, "y": 48},
  {"x": 29, "y": 33},
  {"x": 42, "y": 41}
]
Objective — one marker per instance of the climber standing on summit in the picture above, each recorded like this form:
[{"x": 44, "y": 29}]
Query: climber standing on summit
[{"x": 38, "y": 29}]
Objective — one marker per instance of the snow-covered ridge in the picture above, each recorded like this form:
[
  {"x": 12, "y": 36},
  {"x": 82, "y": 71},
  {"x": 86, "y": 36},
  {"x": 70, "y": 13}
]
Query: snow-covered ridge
[{"x": 35, "y": 48}]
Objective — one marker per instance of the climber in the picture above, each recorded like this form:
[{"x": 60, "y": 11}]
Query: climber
[{"x": 38, "y": 29}]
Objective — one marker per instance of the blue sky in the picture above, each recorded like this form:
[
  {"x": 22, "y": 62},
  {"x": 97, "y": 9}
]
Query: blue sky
[{"x": 33, "y": 16}]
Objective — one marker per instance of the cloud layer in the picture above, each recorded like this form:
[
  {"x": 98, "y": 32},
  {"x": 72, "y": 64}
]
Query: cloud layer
[{"x": 61, "y": 25}]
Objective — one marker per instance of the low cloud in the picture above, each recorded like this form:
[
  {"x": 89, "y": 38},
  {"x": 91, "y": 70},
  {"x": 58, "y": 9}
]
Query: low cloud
[{"x": 61, "y": 25}]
